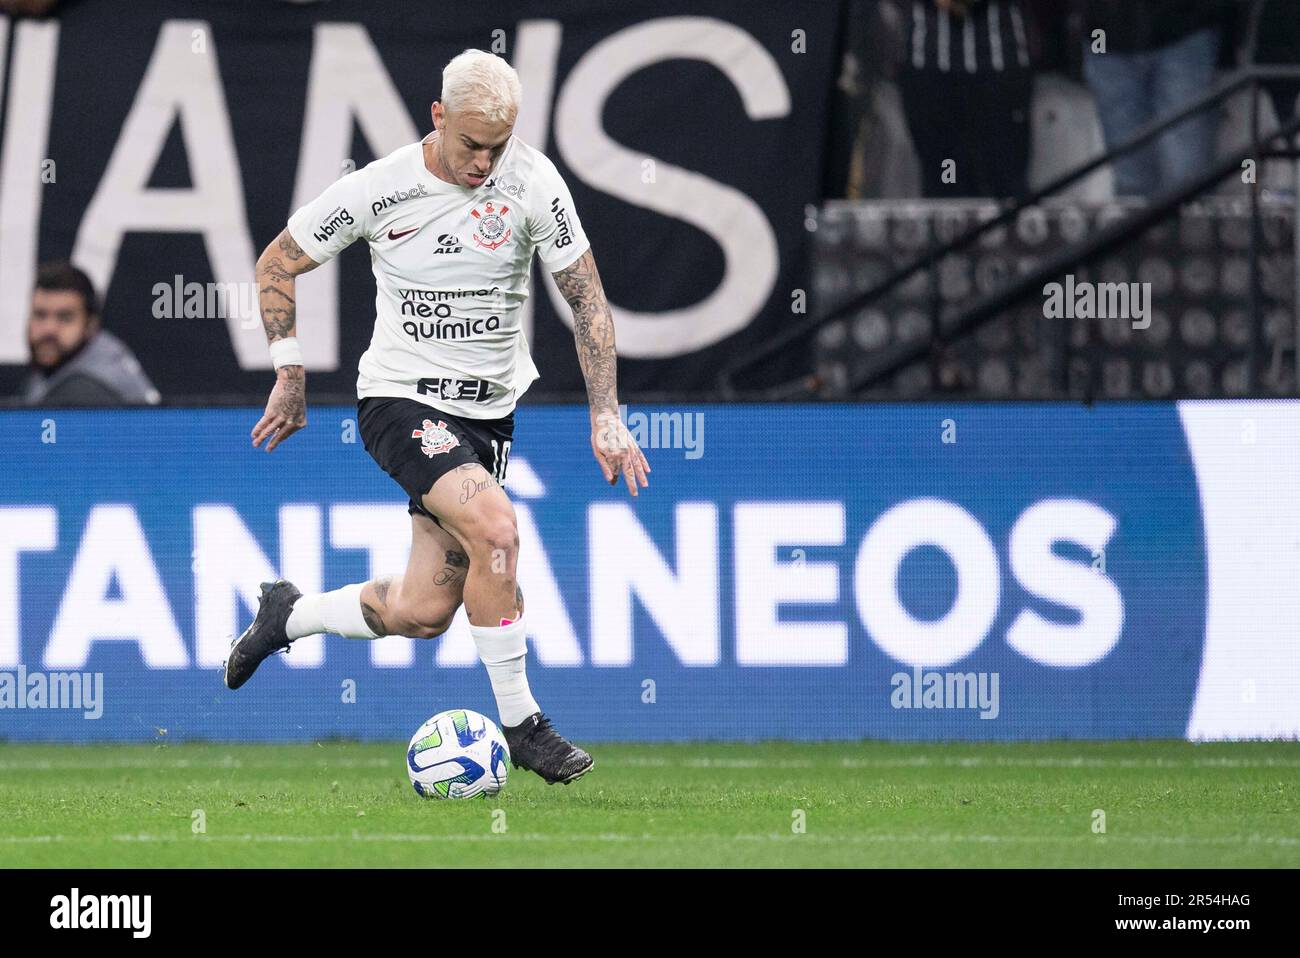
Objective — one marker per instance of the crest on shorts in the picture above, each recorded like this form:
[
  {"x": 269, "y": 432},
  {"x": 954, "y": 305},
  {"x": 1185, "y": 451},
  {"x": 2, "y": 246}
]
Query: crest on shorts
[
  {"x": 435, "y": 438},
  {"x": 492, "y": 230}
]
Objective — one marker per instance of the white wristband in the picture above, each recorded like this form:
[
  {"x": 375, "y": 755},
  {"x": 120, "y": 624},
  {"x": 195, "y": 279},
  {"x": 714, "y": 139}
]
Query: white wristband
[{"x": 286, "y": 352}]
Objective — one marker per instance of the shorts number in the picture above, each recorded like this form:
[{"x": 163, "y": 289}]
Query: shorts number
[{"x": 500, "y": 459}]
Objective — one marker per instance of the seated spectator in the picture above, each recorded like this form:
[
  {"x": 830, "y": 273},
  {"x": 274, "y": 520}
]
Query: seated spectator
[
  {"x": 1276, "y": 39},
  {"x": 74, "y": 361},
  {"x": 966, "y": 84},
  {"x": 1159, "y": 56},
  {"x": 28, "y": 8}
]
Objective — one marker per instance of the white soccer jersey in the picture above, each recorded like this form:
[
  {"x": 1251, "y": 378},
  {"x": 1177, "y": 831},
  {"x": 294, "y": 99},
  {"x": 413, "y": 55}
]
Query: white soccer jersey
[{"x": 451, "y": 268}]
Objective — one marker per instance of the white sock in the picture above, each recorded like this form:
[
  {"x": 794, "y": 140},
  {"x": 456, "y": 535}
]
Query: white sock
[
  {"x": 338, "y": 612},
  {"x": 503, "y": 650}
]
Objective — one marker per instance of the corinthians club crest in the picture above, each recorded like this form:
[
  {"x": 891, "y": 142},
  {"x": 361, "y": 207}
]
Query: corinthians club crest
[
  {"x": 435, "y": 438},
  {"x": 492, "y": 230}
]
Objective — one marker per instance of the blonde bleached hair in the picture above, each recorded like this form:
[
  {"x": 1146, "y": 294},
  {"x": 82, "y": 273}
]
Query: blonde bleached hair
[{"x": 483, "y": 84}]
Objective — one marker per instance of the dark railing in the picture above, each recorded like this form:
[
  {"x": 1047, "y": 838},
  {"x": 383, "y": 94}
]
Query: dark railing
[
  {"x": 1102, "y": 243},
  {"x": 1114, "y": 235}
]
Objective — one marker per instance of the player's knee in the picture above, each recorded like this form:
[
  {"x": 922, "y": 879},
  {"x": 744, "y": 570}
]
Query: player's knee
[
  {"x": 430, "y": 624},
  {"x": 496, "y": 539},
  {"x": 423, "y": 621},
  {"x": 430, "y": 629}
]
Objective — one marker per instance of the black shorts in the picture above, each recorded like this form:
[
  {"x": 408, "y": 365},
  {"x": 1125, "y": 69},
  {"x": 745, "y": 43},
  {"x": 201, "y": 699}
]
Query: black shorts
[{"x": 417, "y": 445}]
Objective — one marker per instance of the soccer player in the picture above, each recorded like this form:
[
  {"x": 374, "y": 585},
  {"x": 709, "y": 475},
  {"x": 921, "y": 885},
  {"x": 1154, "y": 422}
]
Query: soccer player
[{"x": 452, "y": 223}]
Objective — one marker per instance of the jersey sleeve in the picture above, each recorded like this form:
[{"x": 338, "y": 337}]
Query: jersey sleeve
[
  {"x": 331, "y": 222},
  {"x": 553, "y": 223}
]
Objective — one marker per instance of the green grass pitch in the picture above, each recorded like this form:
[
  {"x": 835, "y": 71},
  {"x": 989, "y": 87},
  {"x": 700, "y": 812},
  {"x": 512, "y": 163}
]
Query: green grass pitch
[{"x": 1166, "y": 804}]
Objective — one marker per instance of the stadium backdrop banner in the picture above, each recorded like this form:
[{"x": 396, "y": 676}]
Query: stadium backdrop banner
[
  {"x": 166, "y": 162},
  {"x": 1124, "y": 571}
]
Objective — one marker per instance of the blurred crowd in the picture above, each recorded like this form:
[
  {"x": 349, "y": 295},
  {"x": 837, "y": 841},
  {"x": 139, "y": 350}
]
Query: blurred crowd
[
  {"x": 75, "y": 361},
  {"x": 28, "y": 8},
  {"x": 965, "y": 73},
  {"x": 963, "y": 76}
]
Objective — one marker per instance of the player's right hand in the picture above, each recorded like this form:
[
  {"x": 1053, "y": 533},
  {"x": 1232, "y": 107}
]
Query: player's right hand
[{"x": 286, "y": 410}]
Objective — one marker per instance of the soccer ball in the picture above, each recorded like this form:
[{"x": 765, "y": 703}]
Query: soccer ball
[{"x": 458, "y": 754}]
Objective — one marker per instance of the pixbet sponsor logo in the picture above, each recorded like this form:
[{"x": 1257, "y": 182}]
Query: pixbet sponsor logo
[
  {"x": 332, "y": 224},
  {"x": 398, "y": 196},
  {"x": 562, "y": 221},
  {"x": 510, "y": 189}
]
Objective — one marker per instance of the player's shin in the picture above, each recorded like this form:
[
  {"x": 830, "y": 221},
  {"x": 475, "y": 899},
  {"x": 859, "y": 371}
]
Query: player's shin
[
  {"x": 341, "y": 612},
  {"x": 503, "y": 652}
]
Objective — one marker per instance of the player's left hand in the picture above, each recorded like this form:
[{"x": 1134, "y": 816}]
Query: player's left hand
[
  {"x": 286, "y": 410},
  {"x": 618, "y": 453}
]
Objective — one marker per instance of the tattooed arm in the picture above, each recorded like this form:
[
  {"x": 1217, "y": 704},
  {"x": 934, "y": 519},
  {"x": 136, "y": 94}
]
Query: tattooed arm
[
  {"x": 593, "y": 332},
  {"x": 286, "y": 411}
]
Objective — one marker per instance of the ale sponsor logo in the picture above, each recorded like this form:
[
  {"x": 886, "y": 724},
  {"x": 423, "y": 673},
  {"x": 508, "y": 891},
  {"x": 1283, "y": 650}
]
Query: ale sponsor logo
[{"x": 448, "y": 243}]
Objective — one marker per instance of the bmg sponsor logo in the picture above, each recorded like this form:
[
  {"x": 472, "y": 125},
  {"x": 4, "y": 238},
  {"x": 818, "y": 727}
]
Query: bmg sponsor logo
[
  {"x": 562, "y": 221},
  {"x": 335, "y": 222}
]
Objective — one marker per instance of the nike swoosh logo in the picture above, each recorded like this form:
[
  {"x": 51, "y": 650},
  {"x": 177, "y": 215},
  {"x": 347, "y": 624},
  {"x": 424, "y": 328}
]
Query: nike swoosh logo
[{"x": 393, "y": 236}]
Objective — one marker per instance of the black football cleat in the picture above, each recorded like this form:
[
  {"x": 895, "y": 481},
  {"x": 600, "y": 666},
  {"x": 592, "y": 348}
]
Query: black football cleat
[
  {"x": 265, "y": 636},
  {"x": 536, "y": 746}
]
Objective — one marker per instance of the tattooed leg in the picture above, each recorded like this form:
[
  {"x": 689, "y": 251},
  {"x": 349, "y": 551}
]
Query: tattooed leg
[
  {"x": 419, "y": 603},
  {"x": 374, "y": 604},
  {"x": 454, "y": 569},
  {"x": 346, "y": 612}
]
